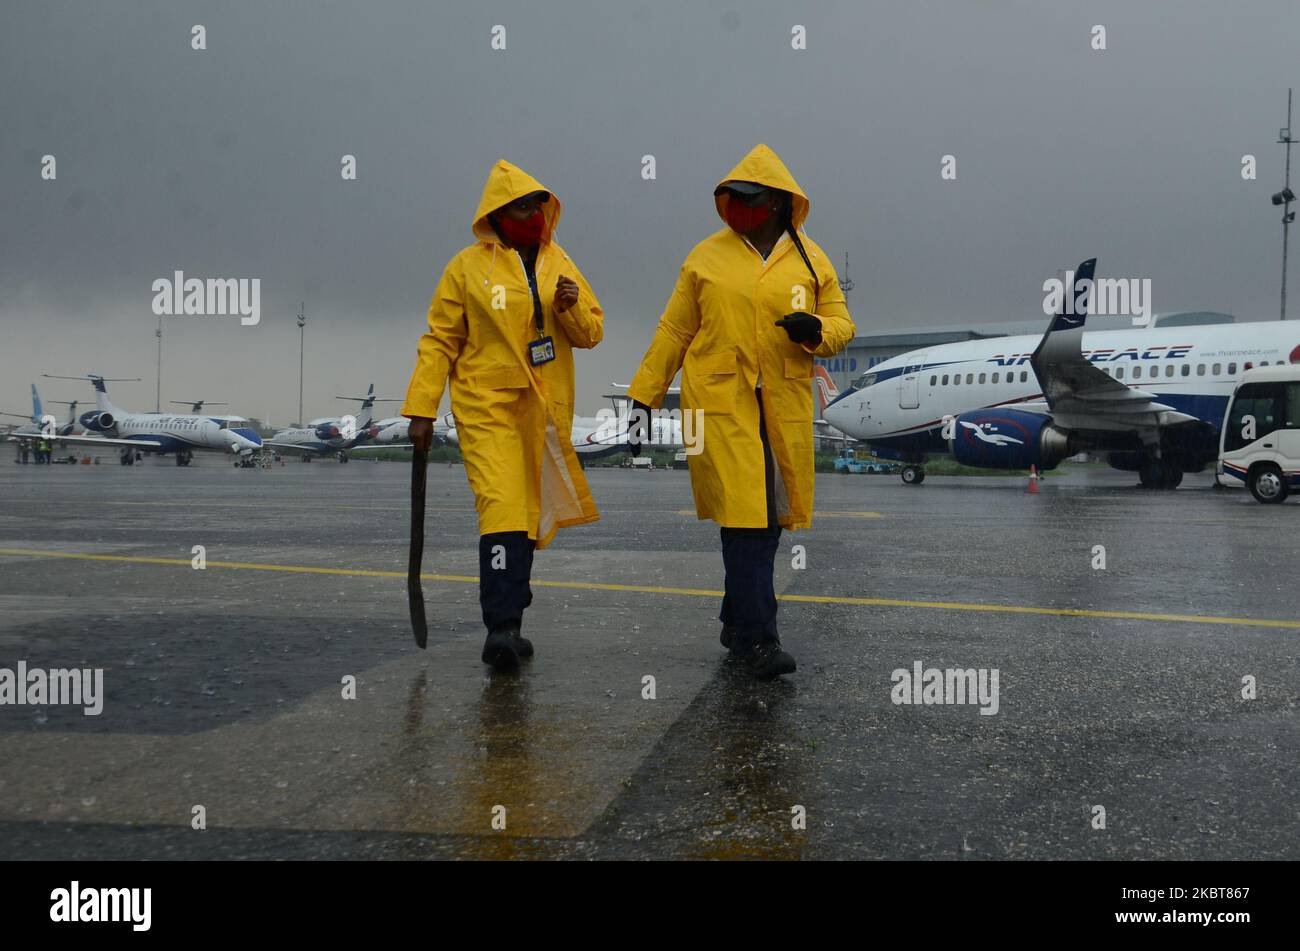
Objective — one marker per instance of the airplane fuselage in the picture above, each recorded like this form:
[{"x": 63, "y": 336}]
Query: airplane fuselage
[{"x": 899, "y": 406}]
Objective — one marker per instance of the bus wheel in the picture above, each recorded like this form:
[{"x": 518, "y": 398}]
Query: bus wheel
[
  {"x": 913, "y": 475},
  {"x": 1267, "y": 484}
]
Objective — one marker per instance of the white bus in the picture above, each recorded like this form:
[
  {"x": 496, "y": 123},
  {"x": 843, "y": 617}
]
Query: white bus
[{"x": 1260, "y": 442}]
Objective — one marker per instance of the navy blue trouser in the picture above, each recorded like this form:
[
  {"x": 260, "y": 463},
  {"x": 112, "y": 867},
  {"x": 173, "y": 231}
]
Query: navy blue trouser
[
  {"x": 749, "y": 558},
  {"x": 503, "y": 590}
]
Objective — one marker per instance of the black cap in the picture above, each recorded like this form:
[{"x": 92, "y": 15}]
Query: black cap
[{"x": 748, "y": 189}]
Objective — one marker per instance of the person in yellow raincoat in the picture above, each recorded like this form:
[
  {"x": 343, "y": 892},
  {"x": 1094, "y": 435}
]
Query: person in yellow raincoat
[
  {"x": 754, "y": 304},
  {"x": 503, "y": 323}
]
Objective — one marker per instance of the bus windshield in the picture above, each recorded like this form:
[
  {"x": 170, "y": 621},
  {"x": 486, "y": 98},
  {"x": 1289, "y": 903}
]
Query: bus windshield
[{"x": 1259, "y": 409}]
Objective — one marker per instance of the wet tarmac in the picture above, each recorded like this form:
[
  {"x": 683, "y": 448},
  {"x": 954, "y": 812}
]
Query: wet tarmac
[{"x": 1119, "y": 687}]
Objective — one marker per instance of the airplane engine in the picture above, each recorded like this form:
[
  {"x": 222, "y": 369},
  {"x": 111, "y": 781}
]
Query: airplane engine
[
  {"x": 1007, "y": 439},
  {"x": 327, "y": 431},
  {"x": 98, "y": 422}
]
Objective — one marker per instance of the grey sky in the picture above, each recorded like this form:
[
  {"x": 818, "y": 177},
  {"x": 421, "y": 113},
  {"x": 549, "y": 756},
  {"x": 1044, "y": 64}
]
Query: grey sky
[{"x": 225, "y": 163}]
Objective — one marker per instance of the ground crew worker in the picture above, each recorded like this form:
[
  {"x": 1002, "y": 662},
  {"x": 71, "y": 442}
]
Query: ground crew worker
[
  {"x": 503, "y": 321},
  {"x": 755, "y": 302}
]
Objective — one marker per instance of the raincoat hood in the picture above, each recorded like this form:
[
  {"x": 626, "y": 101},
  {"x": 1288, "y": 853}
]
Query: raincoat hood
[
  {"x": 505, "y": 183},
  {"x": 763, "y": 166}
]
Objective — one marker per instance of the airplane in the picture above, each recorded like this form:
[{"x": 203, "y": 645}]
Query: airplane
[
  {"x": 825, "y": 392},
  {"x": 394, "y": 432},
  {"x": 594, "y": 437},
  {"x": 42, "y": 425},
  {"x": 1150, "y": 399},
  {"x": 196, "y": 407},
  {"x": 108, "y": 425},
  {"x": 332, "y": 435}
]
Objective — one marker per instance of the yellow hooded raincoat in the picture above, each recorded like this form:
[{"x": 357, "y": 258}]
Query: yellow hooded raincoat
[
  {"x": 719, "y": 328},
  {"x": 513, "y": 420}
]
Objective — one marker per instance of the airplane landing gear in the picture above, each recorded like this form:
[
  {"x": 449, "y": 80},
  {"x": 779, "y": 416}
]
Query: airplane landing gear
[
  {"x": 913, "y": 475},
  {"x": 127, "y": 457},
  {"x": 183, "y": 457},
  {"x": 1160, "y": 473},
  {"x": 343, "y": 457}
]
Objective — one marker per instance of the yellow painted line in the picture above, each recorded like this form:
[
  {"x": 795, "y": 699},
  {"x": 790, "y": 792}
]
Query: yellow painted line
[
  {"x": 226, "y": 504},
  {"x": 692, "y": 592},
  {"x": 815, "y": 514}
]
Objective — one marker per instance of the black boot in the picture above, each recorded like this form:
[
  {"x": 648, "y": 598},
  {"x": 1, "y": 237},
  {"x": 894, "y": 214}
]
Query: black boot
[
  {"x": 768, "y": 661},
  {"x": 504, "y": 647}
]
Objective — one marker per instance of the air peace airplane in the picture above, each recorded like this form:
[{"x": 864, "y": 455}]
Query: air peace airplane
[
  {"x": 107, "y": 425},
  {"x": 1151, "y": 399},
  {"x": 331, "y": 435}
]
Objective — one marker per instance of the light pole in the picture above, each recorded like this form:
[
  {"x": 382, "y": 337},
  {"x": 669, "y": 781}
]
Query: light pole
[
  {"x": 157, "y": 401},
  {"x": 1285, "y": 196},
  {"x": 302, "y": 324}
]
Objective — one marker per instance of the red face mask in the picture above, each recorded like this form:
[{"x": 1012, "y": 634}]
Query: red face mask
[
  {"x": 522, "y": 234},
  {"x": 743, "y": 218}
]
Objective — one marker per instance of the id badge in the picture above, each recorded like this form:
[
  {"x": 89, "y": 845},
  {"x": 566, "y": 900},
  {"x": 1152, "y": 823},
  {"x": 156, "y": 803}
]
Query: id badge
[{"x": 541, "y": 350}]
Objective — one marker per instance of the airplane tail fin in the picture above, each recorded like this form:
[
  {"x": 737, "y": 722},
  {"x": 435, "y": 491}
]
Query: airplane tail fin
[
  {"x": 366, "y": 414},
  {"x": 827, "y": 391},
  {"x": 36, "y": 405},
  {"x": 1064, "y": 336}
]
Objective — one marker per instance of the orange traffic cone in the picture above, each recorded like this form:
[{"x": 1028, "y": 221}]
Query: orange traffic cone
[{"x": 1033, "y": 480}]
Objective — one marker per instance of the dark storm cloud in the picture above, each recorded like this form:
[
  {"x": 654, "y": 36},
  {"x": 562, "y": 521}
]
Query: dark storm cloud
[{"x": 225, "y": 163}]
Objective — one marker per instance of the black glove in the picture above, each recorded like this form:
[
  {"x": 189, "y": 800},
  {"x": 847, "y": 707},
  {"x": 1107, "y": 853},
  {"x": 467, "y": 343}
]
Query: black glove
[
  {"x": 802, "y": 328},
  {"x": 637, "y": 427}
]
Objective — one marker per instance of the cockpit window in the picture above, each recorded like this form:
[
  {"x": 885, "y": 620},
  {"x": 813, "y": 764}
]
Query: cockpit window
[{"x": 867, "y": 379}]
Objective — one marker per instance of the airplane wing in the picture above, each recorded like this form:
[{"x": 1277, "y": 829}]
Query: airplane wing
[
  {"x": 1079, "y": 394},
  {"x": 381, "y": 445},
  {"x": 830, "y": 434},
  {"x": 86, "y": 440},
  {"x": 291, "y": 447}
]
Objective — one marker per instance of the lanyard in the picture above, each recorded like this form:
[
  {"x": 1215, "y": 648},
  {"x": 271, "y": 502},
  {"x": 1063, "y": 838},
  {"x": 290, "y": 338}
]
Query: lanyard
[{"x": 530, "y": 273}]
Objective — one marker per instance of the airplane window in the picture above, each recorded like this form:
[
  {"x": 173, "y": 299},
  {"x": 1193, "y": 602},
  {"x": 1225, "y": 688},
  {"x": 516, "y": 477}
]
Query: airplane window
[
  {"x": 867, "y": 379},
  {"x": 1137, "y": 372},
  {"x": 981, "y": 377},
  {"x": 995, "y": 377},
  {"x": 1200, "y": 369},
  {"x": 956, "y": 379},
  {"x": 970, "y": 377},
  {"x": 1169, "y": 369},
  {"x": 1119, "y": 373},
  {"x": 932, "y": 380},
  {"x": 1187, "y": 369},
  {"x": 945, "y": 379},
  {"x": 1024, "y": 376},
  {"x": 1218, "y": 368},
  {"x": 1232, "y": 369}
]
